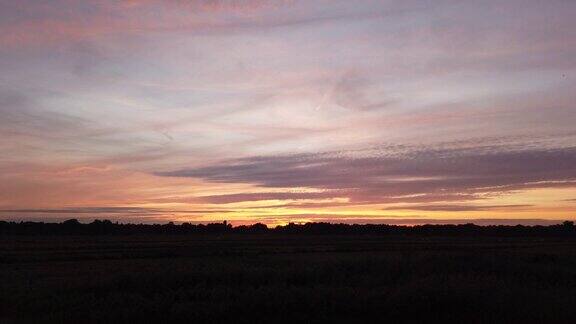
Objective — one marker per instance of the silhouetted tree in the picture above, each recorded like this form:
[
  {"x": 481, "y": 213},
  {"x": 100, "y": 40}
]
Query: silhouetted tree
[{"x": 101, "y": 227}]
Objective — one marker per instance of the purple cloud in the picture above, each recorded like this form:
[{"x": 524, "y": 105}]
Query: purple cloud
[{"x": 378, "y": 178}]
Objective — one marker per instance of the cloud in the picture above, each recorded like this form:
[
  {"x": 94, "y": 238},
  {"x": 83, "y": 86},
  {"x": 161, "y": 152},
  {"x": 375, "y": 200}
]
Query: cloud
[
  {"x": 112, "y": 210},
  {"x": 246, "y": 91},
  {"x": 352, "y": 92},
  {"x": 82, "y": 210},
  {"x": 392, "y": 220},
  {"x": 480, "y": 221},
  {"x": 22, "y": 114},
  {"x": 458, "y": 208},
  {"x": 121, "y": 214},
  {"x": 384, "y": 176},
  {"x": 240, "y": 197},
  {"x": 301, "y": 199},
  {"x": 31, "y": 23}
]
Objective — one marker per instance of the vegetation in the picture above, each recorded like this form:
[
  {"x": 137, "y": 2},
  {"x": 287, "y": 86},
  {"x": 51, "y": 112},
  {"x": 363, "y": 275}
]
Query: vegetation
[{"x": 99, "y": 227}]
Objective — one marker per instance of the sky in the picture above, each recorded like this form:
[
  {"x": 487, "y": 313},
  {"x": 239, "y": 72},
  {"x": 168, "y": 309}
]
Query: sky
[{"x": 400, "y": 112}]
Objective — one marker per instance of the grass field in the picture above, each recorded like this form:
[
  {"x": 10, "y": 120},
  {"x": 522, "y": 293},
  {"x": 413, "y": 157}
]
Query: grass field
[{"x": 271, "y": 278}]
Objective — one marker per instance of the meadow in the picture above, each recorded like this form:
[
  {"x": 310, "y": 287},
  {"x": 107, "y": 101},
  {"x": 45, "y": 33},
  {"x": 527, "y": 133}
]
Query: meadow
[{"x": 282, "y": 278}]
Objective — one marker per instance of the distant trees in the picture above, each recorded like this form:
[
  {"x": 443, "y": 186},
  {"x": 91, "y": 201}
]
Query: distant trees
[
  {"x": 256, "y": 228},
  {"x": 71, "y": 222},
  {"x": 106, "y": 227}
]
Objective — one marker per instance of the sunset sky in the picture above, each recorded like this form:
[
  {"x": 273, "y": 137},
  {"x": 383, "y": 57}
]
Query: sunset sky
[{"x": 402, "y": 112}]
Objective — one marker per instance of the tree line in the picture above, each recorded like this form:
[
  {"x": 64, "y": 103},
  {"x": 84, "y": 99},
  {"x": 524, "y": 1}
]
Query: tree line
[{"x": 107, "y": 227}]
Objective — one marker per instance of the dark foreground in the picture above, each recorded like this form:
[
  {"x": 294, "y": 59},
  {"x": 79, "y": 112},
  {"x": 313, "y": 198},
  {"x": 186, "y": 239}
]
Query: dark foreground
[{"x": 272, "y": 278}]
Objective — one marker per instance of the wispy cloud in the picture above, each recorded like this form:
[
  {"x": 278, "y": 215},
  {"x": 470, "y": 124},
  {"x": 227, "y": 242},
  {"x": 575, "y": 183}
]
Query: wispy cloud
[
  {"x": 414, "y": 172},
  {"x": 33, "y": 24},
  {"x": 457, "y": 208},
  {"x": 358, "y": 219},
  {"x": 112, "y": 210},
  {"x": 252, "y": 108}
]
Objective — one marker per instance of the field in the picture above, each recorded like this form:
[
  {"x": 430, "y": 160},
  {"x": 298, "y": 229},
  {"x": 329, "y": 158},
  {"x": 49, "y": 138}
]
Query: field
[{"x": 270, "y": 278}]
